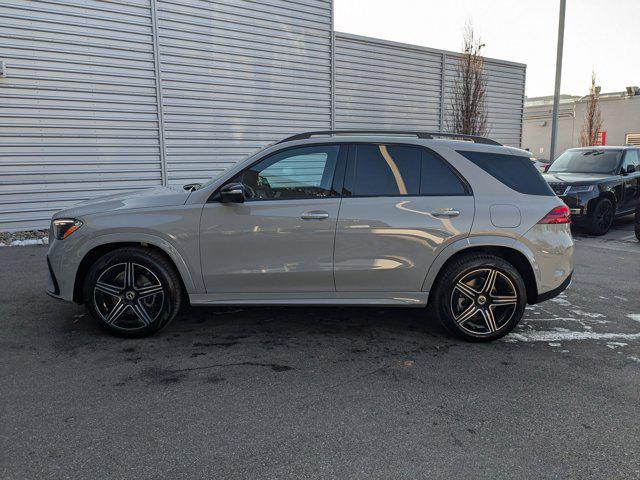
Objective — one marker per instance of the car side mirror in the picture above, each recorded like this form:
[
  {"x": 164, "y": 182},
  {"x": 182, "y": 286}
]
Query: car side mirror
[
  {"x": 631, "y": 169},
  {"x": 191, "y": 187},
  {"x": 232, "y": 193}
]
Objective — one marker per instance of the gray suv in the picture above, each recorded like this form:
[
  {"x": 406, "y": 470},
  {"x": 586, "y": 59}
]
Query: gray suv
[{"x": 458, "y": 223}]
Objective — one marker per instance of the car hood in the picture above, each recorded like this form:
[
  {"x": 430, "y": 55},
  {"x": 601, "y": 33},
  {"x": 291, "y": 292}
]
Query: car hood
[
  {"x": 578, "y": 178},
  {"x": 151, "y": 197}
]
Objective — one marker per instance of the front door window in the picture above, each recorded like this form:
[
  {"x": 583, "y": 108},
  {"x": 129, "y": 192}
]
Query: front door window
[{"x": 297, "y": 173}]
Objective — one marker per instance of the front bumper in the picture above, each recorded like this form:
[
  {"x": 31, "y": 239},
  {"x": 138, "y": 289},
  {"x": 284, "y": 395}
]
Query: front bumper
[
  {"x": 62, "y": 265},
  {"x": 53, "y": 289}
]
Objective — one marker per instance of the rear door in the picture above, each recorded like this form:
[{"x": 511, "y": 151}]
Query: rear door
[{"x": 401, "y": 205}]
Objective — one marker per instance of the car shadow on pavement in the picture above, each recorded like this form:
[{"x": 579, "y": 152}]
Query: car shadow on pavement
[
  {"x": 309, "y": 320},
  {"x": 261, "y": 332}
]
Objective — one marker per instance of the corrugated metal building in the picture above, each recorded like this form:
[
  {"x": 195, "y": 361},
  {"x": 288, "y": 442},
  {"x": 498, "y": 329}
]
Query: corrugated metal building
[{"x": 104, "y": 96}]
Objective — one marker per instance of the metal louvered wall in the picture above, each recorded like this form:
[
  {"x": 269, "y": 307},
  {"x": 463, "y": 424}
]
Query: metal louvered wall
[
  {"x": 505, "y": 97},
  {"x": 382, "y": 84},
  {"x": 78, "y": 110},
  {"x": 105, "y": 96},
  {"x": 239, "y": 74}
]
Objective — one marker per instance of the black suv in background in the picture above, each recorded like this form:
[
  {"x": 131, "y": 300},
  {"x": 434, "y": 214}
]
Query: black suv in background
[{"x": 598, "y": 184}]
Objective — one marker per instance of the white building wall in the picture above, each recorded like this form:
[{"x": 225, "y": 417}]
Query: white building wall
[{"x": 620, "y": 117}]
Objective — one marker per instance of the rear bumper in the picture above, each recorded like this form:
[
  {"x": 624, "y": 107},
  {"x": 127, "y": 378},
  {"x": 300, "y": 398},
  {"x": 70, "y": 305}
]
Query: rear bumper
[
  {"x": 543, "y": 297},
  {"x": 551, "y": 247}
]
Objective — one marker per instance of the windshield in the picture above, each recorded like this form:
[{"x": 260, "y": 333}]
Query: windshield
[{"x": 587, "y": 161}]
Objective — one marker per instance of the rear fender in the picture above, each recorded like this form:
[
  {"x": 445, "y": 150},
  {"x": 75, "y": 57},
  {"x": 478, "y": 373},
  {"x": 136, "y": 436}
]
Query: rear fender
[{"x": 478, "y": 241}]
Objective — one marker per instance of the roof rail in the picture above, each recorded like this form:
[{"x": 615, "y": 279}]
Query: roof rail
[{"x": 425, "y": 135}]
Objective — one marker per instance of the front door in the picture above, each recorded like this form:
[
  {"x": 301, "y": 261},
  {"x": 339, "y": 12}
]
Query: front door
[
  {"x": 280, "y": 240},
  {"x": 631, "y": 183},
  {"x": 401, "y": 206}
]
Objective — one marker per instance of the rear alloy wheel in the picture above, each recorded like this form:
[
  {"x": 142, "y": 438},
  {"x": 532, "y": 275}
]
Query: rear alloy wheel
[
  {"x": 602, "y": 217},
  {"x": 132, "y": 292},
  {"x": 480, "y": 298}
]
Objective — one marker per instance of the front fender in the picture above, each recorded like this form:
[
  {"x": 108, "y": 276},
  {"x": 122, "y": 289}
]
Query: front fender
[{"x": 178, "y": 258}]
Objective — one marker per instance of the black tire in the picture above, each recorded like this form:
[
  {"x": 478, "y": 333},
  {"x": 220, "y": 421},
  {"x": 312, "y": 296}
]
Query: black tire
[
  {"x": 493, "y": 318},
  {"x": 133, "y": 309},
  {"x": 602, "y": 217}
]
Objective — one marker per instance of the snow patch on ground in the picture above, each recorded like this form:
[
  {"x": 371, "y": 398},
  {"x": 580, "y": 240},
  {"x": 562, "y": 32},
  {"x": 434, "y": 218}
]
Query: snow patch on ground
[
  {"x": 621, "y": 298},
  {"x": 582, "y": 313},
  {"x": 634, "y": 316},
  {"x": 560, "y": 335},
  {"x": 515, "y": 337},
  {"x": 561, "y": 301},
  {"x": 19, "y": 239},
  {"x": 25, "y": 243}
]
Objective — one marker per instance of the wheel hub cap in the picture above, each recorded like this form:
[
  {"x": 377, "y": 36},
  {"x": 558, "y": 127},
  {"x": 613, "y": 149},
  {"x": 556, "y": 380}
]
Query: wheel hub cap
[
  {"x": 483, "y": 301},
  {"x": 128, "y": 296}
]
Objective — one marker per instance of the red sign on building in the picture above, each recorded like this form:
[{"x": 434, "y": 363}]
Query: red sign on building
[{"x": 602, "y": 138}]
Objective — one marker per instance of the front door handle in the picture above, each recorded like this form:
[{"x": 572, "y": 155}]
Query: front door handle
[
  {"x": 315, "y": 215},
  {"x": 445, "y": 213}
]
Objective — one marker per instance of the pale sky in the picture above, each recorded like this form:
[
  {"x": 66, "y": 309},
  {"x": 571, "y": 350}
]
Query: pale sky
[{"x": 600, "y": 35}]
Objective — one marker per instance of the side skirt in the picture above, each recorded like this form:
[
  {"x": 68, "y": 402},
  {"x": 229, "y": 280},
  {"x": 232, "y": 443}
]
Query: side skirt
[{"x": 404, "y": 299}]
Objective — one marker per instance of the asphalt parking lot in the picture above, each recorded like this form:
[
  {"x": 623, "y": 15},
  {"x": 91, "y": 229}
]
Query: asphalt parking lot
[{"x": 325, "y": 392}]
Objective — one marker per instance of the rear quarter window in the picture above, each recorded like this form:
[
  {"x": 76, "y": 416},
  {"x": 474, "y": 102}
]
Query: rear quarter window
[{"x": 514, "y": 171}]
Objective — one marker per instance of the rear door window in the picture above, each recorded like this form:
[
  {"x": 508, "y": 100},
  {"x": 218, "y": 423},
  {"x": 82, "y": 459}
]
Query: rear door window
[
  {"x": 438, "y": 178},
  {"x": 514, "y": 171},
  {"x": 385, "y": 170}
]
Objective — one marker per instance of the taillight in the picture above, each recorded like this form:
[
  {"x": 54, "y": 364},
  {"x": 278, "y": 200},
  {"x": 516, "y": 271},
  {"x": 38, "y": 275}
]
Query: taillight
[{"x": 557, "y": 215}]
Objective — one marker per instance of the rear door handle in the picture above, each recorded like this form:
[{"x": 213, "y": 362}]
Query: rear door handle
[
  {"x": 445, "y": 213},
  {"x": 315, "y": 215}
]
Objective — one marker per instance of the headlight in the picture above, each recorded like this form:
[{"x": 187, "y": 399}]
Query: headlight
[
  {"x": 581, "y": 188},
  {"x": 63, "y": 227}
]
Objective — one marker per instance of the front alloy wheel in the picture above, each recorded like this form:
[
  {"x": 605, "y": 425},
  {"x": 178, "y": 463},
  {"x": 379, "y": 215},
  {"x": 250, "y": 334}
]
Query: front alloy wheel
[{"x": 133, "y": 292}]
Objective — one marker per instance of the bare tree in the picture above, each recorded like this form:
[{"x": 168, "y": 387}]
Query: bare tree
[
  {"x": 468, "y": 104},
  {"x": 592, "y": 119}
]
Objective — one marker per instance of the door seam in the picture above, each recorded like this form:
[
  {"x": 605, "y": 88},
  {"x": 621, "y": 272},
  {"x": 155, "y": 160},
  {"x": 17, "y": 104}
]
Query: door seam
[{"x": 335, "y": 236}]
